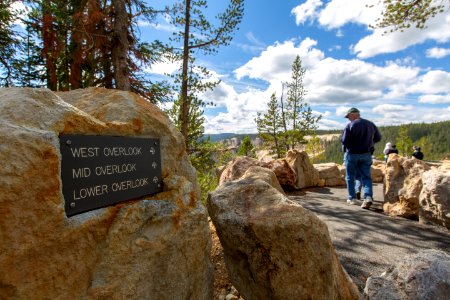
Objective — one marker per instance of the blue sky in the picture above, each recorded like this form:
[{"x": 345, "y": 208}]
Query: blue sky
[{"x": 396, "y": 78}]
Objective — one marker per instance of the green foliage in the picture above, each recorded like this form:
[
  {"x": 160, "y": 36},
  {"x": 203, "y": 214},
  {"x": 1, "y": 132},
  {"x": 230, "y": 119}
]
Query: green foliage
[
  {"x": 73, "y": 44},
  {"x": 314, "y": 149},
  {"x": 404, "y": 142},
  {"x": 285, "y": 125},
  {"x": 270, "y": 127},
  {"x": 206, "y": 158},
  {"x": 401, "y": 14},
  {"x": 9, "y": 42},
  {"x": 433, "y": 138},
  {"x": 298, "y": 115},
  {"x": 197, "y": 33},
  {"x": 246, "y": 148}
]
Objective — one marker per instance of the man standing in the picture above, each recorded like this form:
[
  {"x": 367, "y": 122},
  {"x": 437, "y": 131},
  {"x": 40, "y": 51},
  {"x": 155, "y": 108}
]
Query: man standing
[{"x": 358, "y": 141}]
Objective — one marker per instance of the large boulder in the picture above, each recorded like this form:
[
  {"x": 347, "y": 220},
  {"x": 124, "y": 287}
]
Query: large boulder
[
  {"x": 435, "y": 197},
  {"x": 329, "y": 174},
  {"x": 154, "y": 247},
  {"x": 403, "y": 184},
  {"x": 236, "y": 168},
  {"x": 264, "y": 174},
  {"x": 273, "y": 247},
  {"x": 283, "y": 171},
  {"x": 377, "y": 170},
  {"x": 307, "y": 175},
  {"x": 425, "y": 275}
]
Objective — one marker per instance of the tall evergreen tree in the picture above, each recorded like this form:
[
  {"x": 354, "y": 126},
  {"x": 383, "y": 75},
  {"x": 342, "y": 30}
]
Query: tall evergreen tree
[
  {"x": 301, "y": 120},
  {"x": 198, "y": 33},
  {"x": 92, "y": 43},
  {"x": 270, "y": 127}
]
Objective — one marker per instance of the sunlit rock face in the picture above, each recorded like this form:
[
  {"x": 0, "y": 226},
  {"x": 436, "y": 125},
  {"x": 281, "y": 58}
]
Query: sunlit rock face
[
  {"x": 154, "y": 247},
  {"x": 329, "y": 174},
  {"x": 403, "y": 184},
  {"x": 307, "y": 175},
  {"x": 435, "y": 197},
  {"x": 273, "y": 247}
]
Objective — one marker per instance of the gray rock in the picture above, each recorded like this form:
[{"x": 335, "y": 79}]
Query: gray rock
[{"x": 422, "y": 276}]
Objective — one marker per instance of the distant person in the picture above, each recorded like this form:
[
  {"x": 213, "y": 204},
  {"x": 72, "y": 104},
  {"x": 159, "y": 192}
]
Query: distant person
[
  {"x": 358, "y": 140},
  {"x": 388, "y": 149},
  {"x": 417, "y": 153}
]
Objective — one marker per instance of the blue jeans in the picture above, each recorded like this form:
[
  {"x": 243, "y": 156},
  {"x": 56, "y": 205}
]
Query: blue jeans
[
  {"x": 358, "y": 183},
  {"x": 358, "y": 165}
]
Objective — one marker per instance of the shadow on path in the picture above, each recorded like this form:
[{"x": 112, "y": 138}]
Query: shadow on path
[{"x": 368, "y": 241}]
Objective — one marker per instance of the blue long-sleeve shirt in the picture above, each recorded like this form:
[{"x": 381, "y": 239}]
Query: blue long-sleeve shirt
[{"x": 360, "y": 136}]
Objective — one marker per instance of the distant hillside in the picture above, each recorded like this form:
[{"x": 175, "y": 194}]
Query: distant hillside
[
  {"x": 433, "y": 138},
  {"x": 224, "y": 136}
]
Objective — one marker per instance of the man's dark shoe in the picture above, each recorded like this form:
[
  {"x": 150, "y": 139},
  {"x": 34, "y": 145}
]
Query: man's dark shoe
[{"x": 358, "y": 195}]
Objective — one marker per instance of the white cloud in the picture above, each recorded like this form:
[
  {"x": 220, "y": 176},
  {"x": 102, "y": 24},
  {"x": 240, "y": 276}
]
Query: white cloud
[
  {"x": 274, "y": 64},
  {"x": 438, "y": 29},
  {"x": 305, "y": 11},
  {"x": 424, "y": 114},
  {"x": 434, "y": 99},
  {"x": 433, "y": 82},
  {"x": 392, "y": 108},
  {"x": 339, "y": 12},
  {"x": 355, "y": 81},
  {"x": 163, "y": 68},
  {"x": 438, "y": 52}
]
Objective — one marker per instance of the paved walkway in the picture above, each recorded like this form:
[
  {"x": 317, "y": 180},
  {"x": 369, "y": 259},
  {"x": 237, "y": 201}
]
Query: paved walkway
[{"x": 368, "y": 241}]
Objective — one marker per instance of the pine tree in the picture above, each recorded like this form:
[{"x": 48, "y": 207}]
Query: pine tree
[
  {"x": 314, "y": 149},
  {"x": 301, "y": 121},
  {"x": 404, "y": 142},
  {"x": 401, "y": 14},
  {"x": 270, "y": 127},
  {"x": 199, "y": 34},
  {"x": 246, "y": 148},
  {"x": 90, "y": 43}
]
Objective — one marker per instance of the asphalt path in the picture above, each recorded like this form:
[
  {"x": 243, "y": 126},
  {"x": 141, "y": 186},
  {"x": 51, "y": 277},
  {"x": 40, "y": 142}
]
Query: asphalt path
[{"x": 369, "y": 241}]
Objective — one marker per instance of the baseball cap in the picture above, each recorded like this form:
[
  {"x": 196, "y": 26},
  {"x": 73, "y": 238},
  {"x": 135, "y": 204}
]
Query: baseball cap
[{"x": 352, "y": 110}]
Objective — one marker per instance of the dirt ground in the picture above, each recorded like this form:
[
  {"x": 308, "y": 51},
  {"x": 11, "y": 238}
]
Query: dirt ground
[
  {"x": 222, "y": 284},
  {"x": 366, "y": 241}
]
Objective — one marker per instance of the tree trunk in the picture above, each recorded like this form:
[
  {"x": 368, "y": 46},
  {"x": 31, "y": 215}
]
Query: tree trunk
[
  {"x": 120, "y": 46},
  {"x": 48, "y": 51},
  {"x": 184, "y": 83}
]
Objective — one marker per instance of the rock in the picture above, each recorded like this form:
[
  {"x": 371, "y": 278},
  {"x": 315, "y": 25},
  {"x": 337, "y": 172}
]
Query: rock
[
  {"x": 329, "y": 174},
  {"x": 403, "y": 183},
  {"x": 425, "y": 275},
  {"x": 377, "y": 170},
  {"x": 265, "y": 175},
  {"x": 285, "y": 174},
  {"x": 236, "y": 168},
  {"x": 307, "y": 175},
  {"x": 273, "y": 247},
  {"x": 153, "y": 247},
  {"x": 435, "y": 197}
]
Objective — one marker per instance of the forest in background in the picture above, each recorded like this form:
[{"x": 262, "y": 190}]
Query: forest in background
[{"x": 432, "y": 138}]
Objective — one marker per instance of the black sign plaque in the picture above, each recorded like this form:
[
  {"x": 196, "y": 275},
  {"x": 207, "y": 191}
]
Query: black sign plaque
[{"x": 98, "y": 171}]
